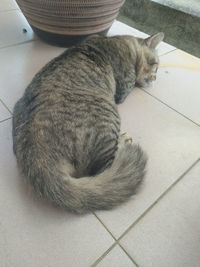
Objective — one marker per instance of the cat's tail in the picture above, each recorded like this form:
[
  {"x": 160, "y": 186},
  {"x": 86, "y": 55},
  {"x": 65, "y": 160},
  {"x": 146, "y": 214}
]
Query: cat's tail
[{"x": 105, "y": 190}]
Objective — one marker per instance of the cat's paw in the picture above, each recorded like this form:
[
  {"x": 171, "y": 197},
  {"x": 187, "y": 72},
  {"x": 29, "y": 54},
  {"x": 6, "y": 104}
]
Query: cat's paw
[
  {"x": 120, "y": 99},
  {"x": 125, "y": 138}
]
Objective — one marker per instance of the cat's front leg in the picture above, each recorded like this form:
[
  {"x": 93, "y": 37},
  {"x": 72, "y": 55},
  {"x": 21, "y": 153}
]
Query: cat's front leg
[
  {"x": 120, "y": 98},
  {"x": 123, "y": 91}
]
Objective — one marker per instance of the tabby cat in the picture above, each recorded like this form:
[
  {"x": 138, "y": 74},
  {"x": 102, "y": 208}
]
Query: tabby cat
[{"x": 66, "y": 127}]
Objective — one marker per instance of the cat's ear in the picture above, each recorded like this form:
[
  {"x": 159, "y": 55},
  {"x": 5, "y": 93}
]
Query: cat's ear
[{"x": 154, "y": 40}]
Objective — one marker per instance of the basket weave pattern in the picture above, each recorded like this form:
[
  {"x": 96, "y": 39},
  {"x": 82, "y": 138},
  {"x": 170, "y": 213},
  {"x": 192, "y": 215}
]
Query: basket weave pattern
[{"x": 71, "y": 17}]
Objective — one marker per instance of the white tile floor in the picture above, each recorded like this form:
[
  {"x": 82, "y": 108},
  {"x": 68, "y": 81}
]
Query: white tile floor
[{"x": 160, "y": 226}]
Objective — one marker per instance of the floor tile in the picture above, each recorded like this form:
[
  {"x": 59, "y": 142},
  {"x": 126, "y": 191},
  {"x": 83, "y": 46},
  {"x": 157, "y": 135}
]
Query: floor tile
[
  {"x": 119, "y": 28},
  {"x": 178, "y": 83},
  {"x": 169, "y": 235},
  {"x": 6, "y": 5},
  {"x": 27, "y": 59},
  {"x": 172, "y": 144},
  {"x": 11, "y": 28},
  {"x": 33, "y": 233},
  {"x": 116, "y": 258},
  {"x": 4, "y": 113}
]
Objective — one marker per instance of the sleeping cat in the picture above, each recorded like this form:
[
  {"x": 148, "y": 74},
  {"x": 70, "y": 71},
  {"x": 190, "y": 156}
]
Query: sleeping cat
[{"x": 66, "y": 127}]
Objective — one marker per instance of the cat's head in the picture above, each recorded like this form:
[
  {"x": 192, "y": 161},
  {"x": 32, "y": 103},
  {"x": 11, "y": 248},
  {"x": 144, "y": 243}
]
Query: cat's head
[{"x": 148, "y": 62}]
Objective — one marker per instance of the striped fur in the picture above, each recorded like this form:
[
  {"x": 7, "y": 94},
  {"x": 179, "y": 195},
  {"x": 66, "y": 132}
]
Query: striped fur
[{"x": 66, "y": 127}]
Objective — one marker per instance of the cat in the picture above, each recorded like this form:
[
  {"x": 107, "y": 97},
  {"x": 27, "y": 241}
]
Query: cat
[{"x": 66, "y": 127}]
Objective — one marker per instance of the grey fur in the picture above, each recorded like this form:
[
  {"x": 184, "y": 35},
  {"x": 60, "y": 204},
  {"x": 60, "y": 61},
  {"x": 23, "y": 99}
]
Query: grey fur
[{"x": 66, "y": 126}]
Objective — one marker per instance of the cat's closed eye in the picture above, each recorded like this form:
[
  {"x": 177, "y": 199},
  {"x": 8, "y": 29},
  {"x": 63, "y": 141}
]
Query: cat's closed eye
[
  {"x": 151, "y": 60},
  {"x": 152, "y": 63}
]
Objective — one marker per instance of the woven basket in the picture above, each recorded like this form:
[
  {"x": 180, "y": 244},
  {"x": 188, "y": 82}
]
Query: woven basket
[{"x": 65, "y": 20}]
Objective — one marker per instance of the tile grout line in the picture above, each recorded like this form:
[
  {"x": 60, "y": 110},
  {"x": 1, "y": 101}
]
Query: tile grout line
[
  {"x": 159, "y": 100},
  {"x": 104, "y": 226},
  {"x": 158, "y": 199},
  {"x": 128, "y": 255},
  {"x": 5, "y": 119},
  {"x": 6, "y": 107},
  {"x": 22, "y": 43},
  {"x": 103, "y": 255},
  {"x": 113, "y": 245},
  {"x": 110, "y": 248},
  {"x": 166, "y": 53},
  {"x": 108, "y": 251}
]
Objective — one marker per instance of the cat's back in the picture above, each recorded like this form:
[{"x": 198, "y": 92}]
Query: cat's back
[
  {"x": 81, "y": 74},
  {"x": 79, "y": 70},
  {"x": 69, "y": 107}
]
